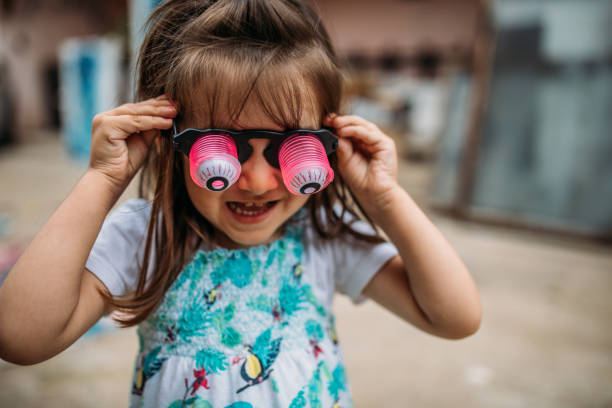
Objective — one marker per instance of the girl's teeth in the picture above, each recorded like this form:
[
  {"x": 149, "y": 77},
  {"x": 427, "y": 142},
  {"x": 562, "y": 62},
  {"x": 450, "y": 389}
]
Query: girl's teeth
[{"x": 248, "y": 209}]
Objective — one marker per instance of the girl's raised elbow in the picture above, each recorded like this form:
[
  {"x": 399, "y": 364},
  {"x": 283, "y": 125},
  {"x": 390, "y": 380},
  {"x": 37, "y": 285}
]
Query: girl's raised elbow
[
  {"x": 468, "y": 326},
  {"x": 18, "y": 358},
  {"x": 20, "y": 361},
  {"x": 13, "y": 352}
]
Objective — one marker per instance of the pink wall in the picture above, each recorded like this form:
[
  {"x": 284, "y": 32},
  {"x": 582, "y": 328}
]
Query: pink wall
[{"x": 371, "y": 26}]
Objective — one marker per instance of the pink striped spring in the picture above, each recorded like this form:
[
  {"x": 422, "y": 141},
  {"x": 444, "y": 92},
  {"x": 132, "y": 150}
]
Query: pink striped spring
[
  {"x": 303, "y": 162},
  {"x": 214, "y": 147}
]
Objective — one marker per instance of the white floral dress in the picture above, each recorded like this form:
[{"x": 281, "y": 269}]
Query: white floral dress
[{"x": 242, "y": 328}]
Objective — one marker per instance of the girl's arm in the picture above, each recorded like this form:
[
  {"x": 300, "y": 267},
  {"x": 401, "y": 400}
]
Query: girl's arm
[
  {"x": 48, "y": 300},
  {"x": 427, "y": 284}
]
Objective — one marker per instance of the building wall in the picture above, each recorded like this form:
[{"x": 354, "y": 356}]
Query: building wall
[
  {"x": 30, "y": 35},
  {"x": 368, "y": 26}
]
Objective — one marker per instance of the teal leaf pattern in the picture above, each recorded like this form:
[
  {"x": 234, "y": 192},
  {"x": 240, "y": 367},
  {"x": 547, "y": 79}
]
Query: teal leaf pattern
[
  {"x": 299, "y": 401},
  {"x": 338, "y": 382},
  {"x": 195, "y": 402},
  {"x": 290, "y": 298},
  {"x": 213, "y": 361},
  {"x": 193, "y": 321},
  {"x": 240, "y": 404},
  {"x": 314, "y": 388},
  {"x": 262, "y": 303},
  {"x": 200, "y": 403},
  {"x": 312, "y": 299},
  {"x": 238, "y": 269},
  {"x": 314, "y": 330},
  {"x": 230, "y": 337}
]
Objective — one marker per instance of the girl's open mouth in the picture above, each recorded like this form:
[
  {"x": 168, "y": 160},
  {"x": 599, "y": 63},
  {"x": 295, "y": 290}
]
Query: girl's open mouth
[{"x": 250, "y": 211}]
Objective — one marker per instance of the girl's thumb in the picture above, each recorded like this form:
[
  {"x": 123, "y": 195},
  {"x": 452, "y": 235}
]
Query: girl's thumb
[
  {"x": 149, "y": 136},
  {"x": 344, "y": 152}
]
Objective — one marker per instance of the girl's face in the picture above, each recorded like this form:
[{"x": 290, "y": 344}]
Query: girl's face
[{"x": 252, "y": 210}]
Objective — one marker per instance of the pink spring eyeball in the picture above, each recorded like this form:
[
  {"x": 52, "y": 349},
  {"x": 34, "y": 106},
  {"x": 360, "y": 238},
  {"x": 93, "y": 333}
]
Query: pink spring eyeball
[
  {"x": 304, "y": 165},
  {"x": 213, "y": 162}
]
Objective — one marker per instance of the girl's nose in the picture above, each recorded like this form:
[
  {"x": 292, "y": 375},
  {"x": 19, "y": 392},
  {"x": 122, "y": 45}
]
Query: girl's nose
[{"x": 257, "y": 176}]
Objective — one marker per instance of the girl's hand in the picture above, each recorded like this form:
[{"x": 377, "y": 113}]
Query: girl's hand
[
  {"x": 367, "y": 159},
  {"x": 121, "y": 137}
]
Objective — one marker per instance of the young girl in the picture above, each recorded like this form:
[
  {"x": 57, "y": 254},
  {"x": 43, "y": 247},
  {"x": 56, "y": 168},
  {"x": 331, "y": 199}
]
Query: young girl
[{"x": 230, "y": 264}]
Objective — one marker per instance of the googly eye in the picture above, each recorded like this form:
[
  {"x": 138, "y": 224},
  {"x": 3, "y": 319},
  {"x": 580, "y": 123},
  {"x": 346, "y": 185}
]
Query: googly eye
[
  {"x": 213, "y": 162},
  {"x": 304, "y": 164}
]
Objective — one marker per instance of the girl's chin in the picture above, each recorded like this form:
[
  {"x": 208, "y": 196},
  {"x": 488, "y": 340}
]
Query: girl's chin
[
  {"x": 246, "y": 240},
  {"x": 233, "y": 238}
]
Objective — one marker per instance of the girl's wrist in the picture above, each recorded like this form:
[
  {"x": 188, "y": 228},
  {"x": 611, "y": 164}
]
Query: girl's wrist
[
  {"x": 106, "y": 190},
  {"x": 380, "y": 206}
]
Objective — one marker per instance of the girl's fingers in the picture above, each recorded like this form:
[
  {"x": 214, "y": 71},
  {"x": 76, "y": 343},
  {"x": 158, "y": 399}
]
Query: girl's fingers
[
  {"x": 345, "y": 151},
  {"x": 360, "y": 133},
  {"x": 139, "y": 144},
  {"x": 120, "y": 127},
  {"x": 351, "y": 120},
  {"x": 152, "y": 107}
]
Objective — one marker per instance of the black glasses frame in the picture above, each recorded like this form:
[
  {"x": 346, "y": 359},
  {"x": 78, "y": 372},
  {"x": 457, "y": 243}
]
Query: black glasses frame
[{"x": 184, "y": 140}]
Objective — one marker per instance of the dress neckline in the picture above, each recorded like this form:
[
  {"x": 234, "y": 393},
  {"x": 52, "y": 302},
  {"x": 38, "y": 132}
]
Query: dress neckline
[{"x": 291, "y": 230}]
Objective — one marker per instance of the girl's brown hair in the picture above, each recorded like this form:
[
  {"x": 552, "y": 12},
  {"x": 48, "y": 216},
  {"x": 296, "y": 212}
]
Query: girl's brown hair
[{"x": 212, "y": 57}]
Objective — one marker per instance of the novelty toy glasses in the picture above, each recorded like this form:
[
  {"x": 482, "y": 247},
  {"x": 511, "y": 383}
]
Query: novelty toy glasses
[{"x": 215, "y": 156}]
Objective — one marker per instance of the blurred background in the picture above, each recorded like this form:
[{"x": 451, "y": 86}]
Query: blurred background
[{"x": 501, "y": 111}]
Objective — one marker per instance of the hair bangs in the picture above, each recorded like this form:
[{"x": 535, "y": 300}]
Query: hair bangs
[{"x": 291, "y": 90}]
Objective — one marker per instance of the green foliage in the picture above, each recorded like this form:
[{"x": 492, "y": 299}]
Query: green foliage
[
  {"x": 261, "y": 302},
  {"x": 338, "y": 382},
  {"x": 290, "y": 298},
  {"x": 228, "y": 312},
  {"x": 212, "y": 360},
  {"x": 231, "y": 337},
  {"x": 312, "y": 299},
  {"x": 195, "y": 402},
  {"x": 193, "y": 321},
  {"x": 228, "y": 335},
  {"x": 238, "y": 269},
  {"x": 274, "y": 384},
  {"x": 299, "y": 401},
  {"x": 240, "y": 404},
  {"x": 314, "y": 330},
  {"x": 271, "y": 259},
  {"x": 200, "y": 403},
  {"x": 314, "y": 388},
  {"x": 217, "y": 275}
]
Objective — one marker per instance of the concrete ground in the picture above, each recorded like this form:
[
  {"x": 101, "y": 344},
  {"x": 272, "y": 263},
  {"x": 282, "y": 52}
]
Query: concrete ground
[{"x": 545, "y": 340}]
